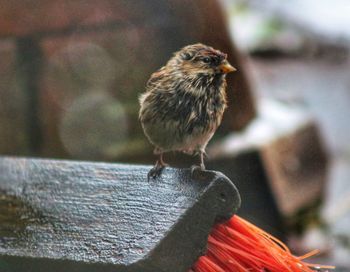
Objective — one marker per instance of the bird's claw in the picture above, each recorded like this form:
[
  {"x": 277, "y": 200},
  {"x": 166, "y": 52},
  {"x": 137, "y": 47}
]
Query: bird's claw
[
  {"x": 196, "y": 168},
  {"x": 155, "y": 172}
]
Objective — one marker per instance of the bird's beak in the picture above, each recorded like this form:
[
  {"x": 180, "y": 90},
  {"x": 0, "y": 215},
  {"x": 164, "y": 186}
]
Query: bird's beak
[{"x": 226, "y": 67}]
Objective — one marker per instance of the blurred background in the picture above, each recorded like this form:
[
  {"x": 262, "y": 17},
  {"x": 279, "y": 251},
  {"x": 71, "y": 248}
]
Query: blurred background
[{"x": 71, "y": 73}]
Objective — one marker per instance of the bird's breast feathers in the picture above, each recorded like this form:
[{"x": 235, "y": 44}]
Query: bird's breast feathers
[{"x": 181, "y": 121}]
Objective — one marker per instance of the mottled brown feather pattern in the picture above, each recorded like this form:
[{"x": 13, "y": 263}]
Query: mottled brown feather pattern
[{"x": 185, "y": 100}]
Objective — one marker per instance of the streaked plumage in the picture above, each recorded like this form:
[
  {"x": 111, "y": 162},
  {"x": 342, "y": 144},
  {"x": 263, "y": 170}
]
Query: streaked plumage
[{"x": 184, "y": 101}]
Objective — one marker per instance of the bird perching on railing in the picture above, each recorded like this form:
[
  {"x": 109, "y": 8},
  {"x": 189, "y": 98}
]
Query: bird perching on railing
[{"x": 184, "y": 102}]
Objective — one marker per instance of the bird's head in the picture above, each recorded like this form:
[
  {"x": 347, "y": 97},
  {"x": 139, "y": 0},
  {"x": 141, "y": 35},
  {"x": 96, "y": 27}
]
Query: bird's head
[{"x": 199, "y": 59}]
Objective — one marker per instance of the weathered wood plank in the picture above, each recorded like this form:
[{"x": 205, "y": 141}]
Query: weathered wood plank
[{"x": 79, "y": 216}]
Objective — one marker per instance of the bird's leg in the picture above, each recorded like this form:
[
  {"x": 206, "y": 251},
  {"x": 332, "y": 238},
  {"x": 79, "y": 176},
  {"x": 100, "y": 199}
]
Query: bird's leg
[
  {"x": 201, "y": 165},
  {"x": 158, "y": 167},
  {"x": 201, "y": 155},
  {"x": 160, "y": 161}
]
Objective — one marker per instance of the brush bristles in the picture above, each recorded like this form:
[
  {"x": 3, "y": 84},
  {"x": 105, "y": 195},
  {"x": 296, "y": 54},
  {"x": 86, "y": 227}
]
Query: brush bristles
[{"x": 239, "y": 246}]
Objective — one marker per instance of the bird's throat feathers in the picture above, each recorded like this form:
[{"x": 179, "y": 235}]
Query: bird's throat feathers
[{"x": 200, "y": 84}]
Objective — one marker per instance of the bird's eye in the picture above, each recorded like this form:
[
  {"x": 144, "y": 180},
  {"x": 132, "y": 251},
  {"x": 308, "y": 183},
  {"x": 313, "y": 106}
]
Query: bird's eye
[{"x": 206, "y": 60}]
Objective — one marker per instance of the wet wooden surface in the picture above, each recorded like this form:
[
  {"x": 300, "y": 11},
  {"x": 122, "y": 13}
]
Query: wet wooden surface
[{"x": 79, "y": 216}]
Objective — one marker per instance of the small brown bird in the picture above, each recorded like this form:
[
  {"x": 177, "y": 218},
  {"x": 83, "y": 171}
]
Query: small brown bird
[{"x": 184, "y": 102}]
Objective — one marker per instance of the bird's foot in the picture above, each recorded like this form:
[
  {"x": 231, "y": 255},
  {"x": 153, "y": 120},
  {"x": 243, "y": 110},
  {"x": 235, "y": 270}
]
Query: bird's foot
[
  {"x": 156, "y": 171},
  {"x": 196, "y": 168}
]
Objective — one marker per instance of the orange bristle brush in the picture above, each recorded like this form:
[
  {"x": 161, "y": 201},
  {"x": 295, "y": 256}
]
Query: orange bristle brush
[{"x": 239, "y": 246}]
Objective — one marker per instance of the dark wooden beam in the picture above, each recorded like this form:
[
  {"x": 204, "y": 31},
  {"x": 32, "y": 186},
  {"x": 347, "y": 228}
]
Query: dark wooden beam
[{"x": 81, "y": 216}]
